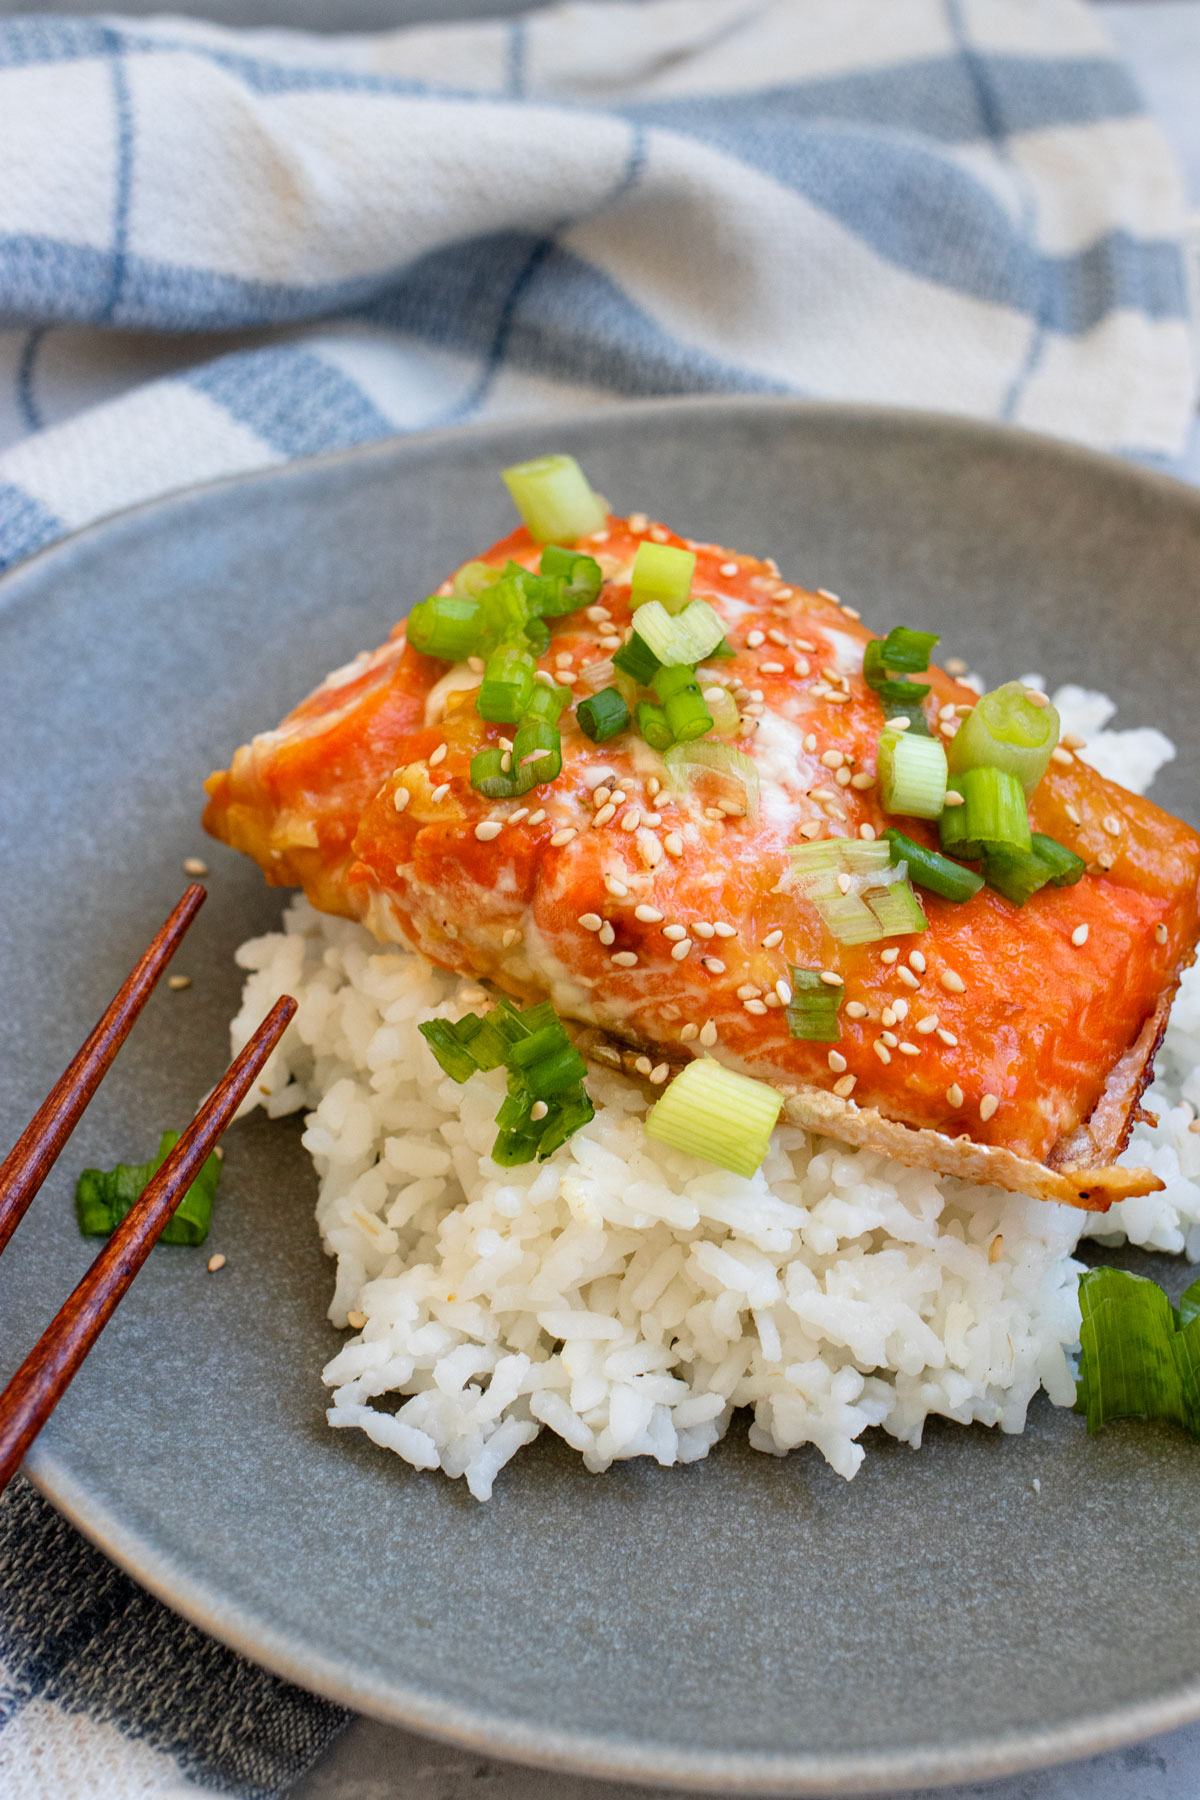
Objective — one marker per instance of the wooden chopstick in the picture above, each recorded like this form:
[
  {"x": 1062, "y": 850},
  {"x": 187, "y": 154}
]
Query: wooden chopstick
[
  {"x": 43, "y": 1377},
  {"x": 36, "y": 1150}
]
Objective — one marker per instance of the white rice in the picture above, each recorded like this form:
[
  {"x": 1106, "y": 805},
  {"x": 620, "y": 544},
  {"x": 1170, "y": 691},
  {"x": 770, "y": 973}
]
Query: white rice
[{"x": 630, "y": 1297}]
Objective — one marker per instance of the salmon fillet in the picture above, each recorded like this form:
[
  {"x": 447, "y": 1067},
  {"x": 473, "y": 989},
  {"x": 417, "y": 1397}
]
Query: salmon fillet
[{"x": 1001, "y": 1044}]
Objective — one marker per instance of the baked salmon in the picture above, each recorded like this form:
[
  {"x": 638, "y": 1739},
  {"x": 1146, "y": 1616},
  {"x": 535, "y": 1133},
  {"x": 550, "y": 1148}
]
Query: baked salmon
[{"x": 1004, "y": 1044}]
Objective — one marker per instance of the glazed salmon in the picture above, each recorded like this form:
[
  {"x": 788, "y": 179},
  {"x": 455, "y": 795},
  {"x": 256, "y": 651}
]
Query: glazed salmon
[{"x": 1004, "y": 1044}]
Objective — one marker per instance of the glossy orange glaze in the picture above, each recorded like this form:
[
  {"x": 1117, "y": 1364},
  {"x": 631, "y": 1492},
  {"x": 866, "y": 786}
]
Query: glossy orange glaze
[{"x": 1041, "y": 1022}]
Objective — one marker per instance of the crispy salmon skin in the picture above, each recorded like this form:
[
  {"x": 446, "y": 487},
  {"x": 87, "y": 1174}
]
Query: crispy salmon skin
[{"x": 1004, "y": 1044}]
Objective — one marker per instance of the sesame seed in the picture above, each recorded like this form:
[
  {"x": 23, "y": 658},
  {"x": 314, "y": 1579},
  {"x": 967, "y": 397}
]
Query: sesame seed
[
  {"x": 649, "y": 849},
  {"x": 595, "y": 613},
  {"x": 715, "y": 814},
  {"x": 538, "y": 1110},
  {"x": 771, "y": 668},
  {"x": 631, "y": 820},
  {"x": 1072, "y": 741},
  {"x": 890, "y": 954},
  {"x": 723, "y": 930},
  {"x": 681, "y": 949},
  {"x": 1035, "y": 697},
  {"x": 947, "y": 1037},
  {"x": 953, "y": 797},
  {"x": 177, "y": 983},
  {"x": 560, "y": 837},
  {"x": 702, "y": 929},
  {"x": 1080, "y": 935},
  {"x": 591, "y": 921},
  {"x": 607, "y": 934},
  {"x": 610, "y": 643},
  {"x": 947, "y": 729},
  {"x": 888, "y": 1015},
  {"x": 1111, "y": 824},
  {"x": 713, "y": 964},
  {"x": 845, "y": 882},
  {"x": 439, "y": 794},
  {"x": 1072, "y": 814},
  {"x": 476, "y": 665},
  {"x": 506, "y": 762},
  {"x": 900, "y": 1008},
  {"x": 811, "y": 830},
  {"x": 987, "y": 1107},
  {"x": 889, "y": 1038},
  {"x": 810, "y": 742},
  {"x": 916, "y": 960},
  {"x": 689, "y": 1033},
  {"x": 216, "y": 1262},
  {"x": 756, "y": 1007},
  {"x": 955, "y": 666},
  {"x": 947, "y": 711},
  {"x": 882, "y": 1051},
  {"x": 867, "y": 831},
  {"x": 748, "y": 991},
  {"x": 513, "y": 818},
  {"x": 927, "y": 1024},
  {"x": 607, "y": 811},
  {"x": 837, "y": 1062},
  {"x": 954, "y": 1095},
  {"x": 907, "y": 976},
  {"x": 708, "y": 1034},
  {"x": 714, "y": 695},
  {"x": 831, "y": 978},
  {"x": 536, "y": 818},
  {"x": 852, "y": 612},
  {"x": 1104, "y": 860},
  {"x": 832, "y": 759},
  {"x": 801, "y": 666},
  {"x": 838, "y": 699},
  {"x": 856, "y": 1009},
  {"x": 562, "y": 659},
  {"x": 674, "y": 932},
  {"x": 193, "y": 865},
  {"x": 659, "y": 1074},
  {"x": 900, "y": 723},
  {"x": 1059, "y": 755},
  {"x": 1160, "y": 933},
  {"x": 625, "y": 959},
  {"x": 845, "y": 1087},
  {"x": 952, "y": 981},
  {"x": 772, "y": 938},
  {"x": 862, "y": 781},
  {"x": 784, "y": 992},
  {"x": 356, "y": 1319},
  {"x": 602, "y": 796},
  {"x": 401, "y": 798},
  {"x": 642, "y": 1065},
  {"x": 509, "y": 937},
  {"x": 729, "y": 568},
  {"x": 777, "y": 637},
  {"x": 826, "y": 594},
  {"x": 638, "y": 522},
  {"x": 673, "y": 844},
  {"x": 996, "y": 1248},
  {"x": 648, "y": 915},
  {"x": 653, "y": 786},
  {"x": 615, "y": 887},
  {"x": 907, "y": 1049},
  {"x": 618, "y": 796},
  {"x": 842, "y": 777}
]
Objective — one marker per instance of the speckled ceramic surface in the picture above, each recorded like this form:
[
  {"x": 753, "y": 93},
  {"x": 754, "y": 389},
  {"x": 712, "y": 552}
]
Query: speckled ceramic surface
[{"x": 742, "y": 1624}]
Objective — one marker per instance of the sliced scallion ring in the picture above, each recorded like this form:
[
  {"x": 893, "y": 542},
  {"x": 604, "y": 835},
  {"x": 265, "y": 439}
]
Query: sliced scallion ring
[
  {"x": 1007, "y": 730},
  {"x": 717, "y": 1115},
  {"x": 553, "y": 498}
]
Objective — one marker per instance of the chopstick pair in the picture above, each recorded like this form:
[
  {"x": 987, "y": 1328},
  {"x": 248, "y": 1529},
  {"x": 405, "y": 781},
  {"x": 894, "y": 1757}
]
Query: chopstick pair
[{"x": 44, "y": 1376}]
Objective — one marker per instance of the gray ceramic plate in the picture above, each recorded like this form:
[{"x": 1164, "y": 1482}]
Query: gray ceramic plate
[{"x": 741, "y": 1624}]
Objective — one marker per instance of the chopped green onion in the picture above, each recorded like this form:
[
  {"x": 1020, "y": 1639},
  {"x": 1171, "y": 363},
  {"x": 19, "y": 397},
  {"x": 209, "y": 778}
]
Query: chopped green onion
[
  {"x": 547, "y": 701},
  {"x": 652, "y": 723},
  {"x": 602, "y": 715},
  {"x": 929, "y": 870},
  {"x": 812, "y": 1011},
  {"x": 656, "y": 628},
  {"x": 455, "y": 1059},
  {"x": 897, "y": 909},
  {"x": 900, "y": 689},
  {"x": 1138, "y": 1357},
  {"x": 446, "y": 627},
  {"x": 537, "y": 636},
  {"x": 686, "y": 762},
  {"x": 543, "y": 1067},
  {"x": 536, "y": 753},
  {"x": 906, "y": 650},
  {"x": 697, "y": 633},
  {"x": 851, "y": 856},
  {"x": 507, "y": 685},
  {"x": 723, "y": 652},
  {"x": 679, "y": 695},
  {"x": 572, "y": 580},
  {"x": 553, "y": 498},
  {"x": 637, "y": 660},
  {"x": 1018, "y": 876},
  {"x": 664, "y": 573},
  {"x": 473, "y": 578},
  {"x": 848, "y": 918},
  {"x": 717, "y": 1115},
  {"x": 992, "y": 818},
  {"x": 104, "y": 1196},
  {"x": 489, "y": 777},
  {"x": 912, "y": 774},
  {"x": 1007, "y": 731},
  {"x": 726, "y": 719}
]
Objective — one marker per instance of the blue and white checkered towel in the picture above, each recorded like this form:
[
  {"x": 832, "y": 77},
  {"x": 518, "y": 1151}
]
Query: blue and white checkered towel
[{"x": 221, "y": 250}]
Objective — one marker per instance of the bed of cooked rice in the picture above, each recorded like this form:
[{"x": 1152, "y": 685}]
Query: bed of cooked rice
[{"x": 630, "y": 1297}]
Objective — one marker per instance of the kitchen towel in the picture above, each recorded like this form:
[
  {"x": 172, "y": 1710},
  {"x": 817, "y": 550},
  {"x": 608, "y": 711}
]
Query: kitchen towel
[{"x": 222, "y": 250}]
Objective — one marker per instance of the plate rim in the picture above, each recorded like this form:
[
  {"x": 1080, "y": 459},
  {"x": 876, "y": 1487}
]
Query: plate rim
[{"x": 474, "y": 1727}]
